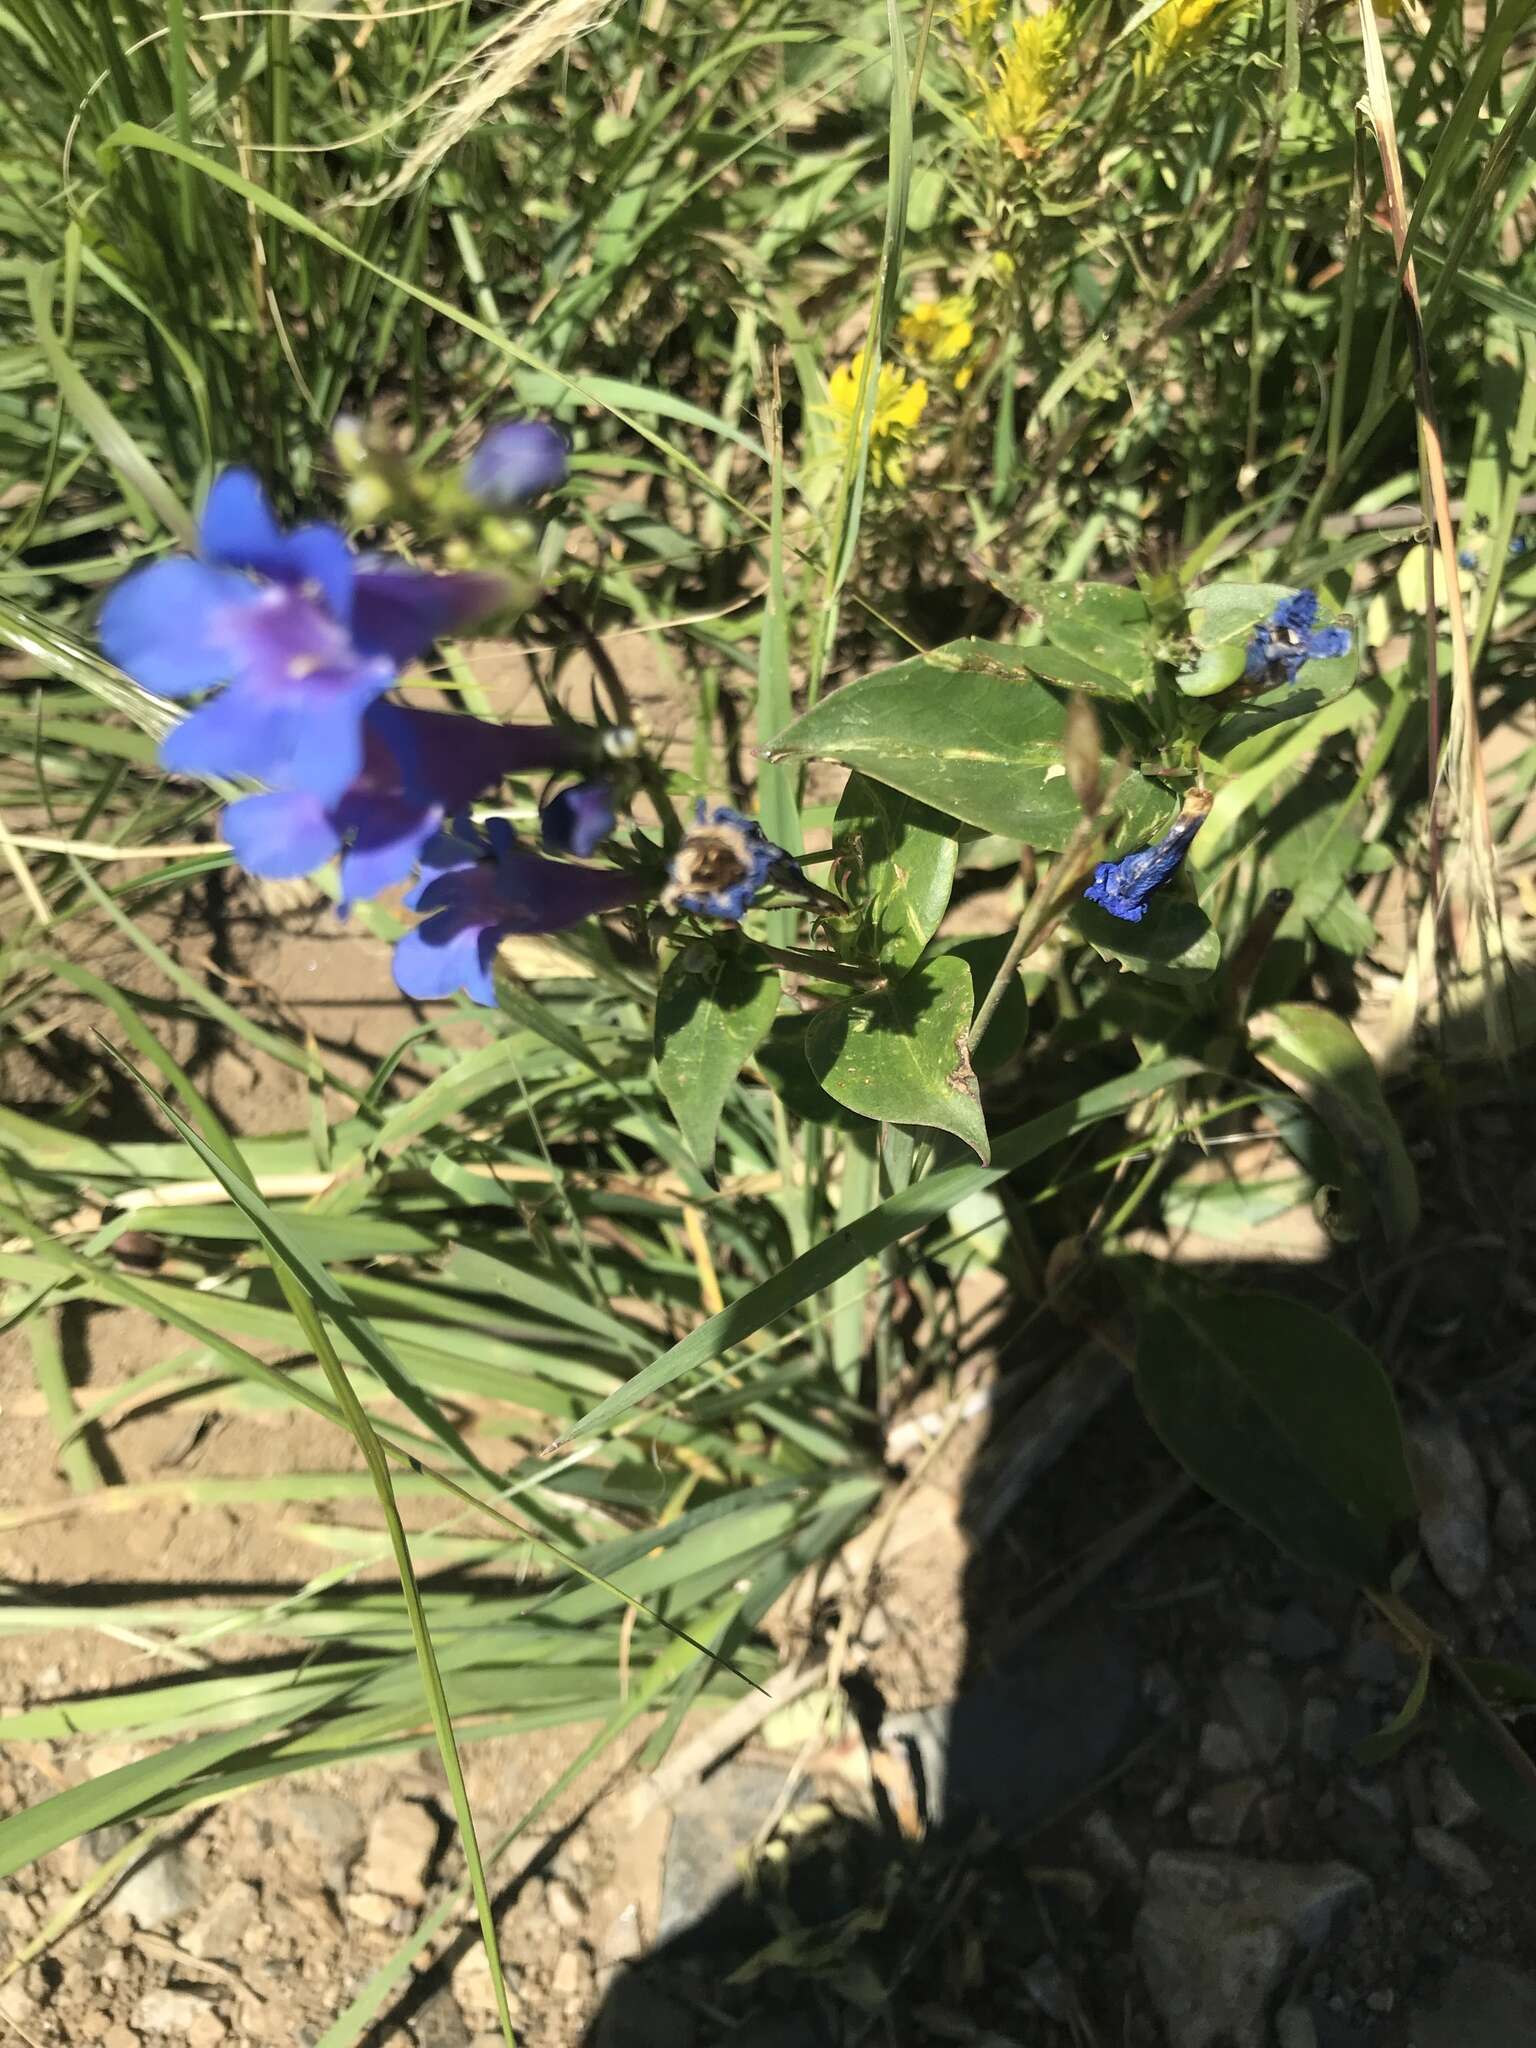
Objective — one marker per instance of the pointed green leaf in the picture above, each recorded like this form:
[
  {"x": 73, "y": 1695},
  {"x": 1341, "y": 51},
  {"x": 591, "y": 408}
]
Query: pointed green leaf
[
  {"x": 905, "y": 1057},
  {"x": 1317, "y": 1054},
  {"x": 896, "y": 866},
  {"x": 970, "y": 731},
  {"x": 1279, "y": 1413},
  {"x": 1175, "y": 941},
  {"x": 712, "y": 1013}
]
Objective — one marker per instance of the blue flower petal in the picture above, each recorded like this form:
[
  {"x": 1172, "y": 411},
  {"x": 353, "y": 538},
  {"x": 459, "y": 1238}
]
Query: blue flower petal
[
  {"x": 579, "y": 819},
  {"x": 442, "y": 956},
  {"x": 517, "y": 459},
  {"x": 399, "y": 612},
  {"x": 237, "y": 528},
  {"x": 320, "y": 555},
  {"x": 384, "y": 835},
  {"x": 135, "y": 625},
  {"x": 315, "y": 748},
  {"x": 280, "y": 836}
]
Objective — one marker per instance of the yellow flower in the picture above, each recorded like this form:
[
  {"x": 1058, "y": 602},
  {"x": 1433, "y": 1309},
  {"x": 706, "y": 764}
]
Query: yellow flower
[
  {"x": 1178, "y": 30},
  {"x": 940, "y": 333},
  {"x": 974, "y": 19},
  {"x": 1026, "y": 81},
  {"x": 899, "y": 404}
]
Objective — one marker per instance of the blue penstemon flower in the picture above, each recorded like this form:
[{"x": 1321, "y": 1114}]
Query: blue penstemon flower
[
  {"x": 296, "y": 634},
  {"x": 578, "y": 819},
  {"x": 479, "y": 887},
  {"x": 516, "y": 459},
  {"x": 1290, "y": 636},
  {"x": 1124, "y": 887}
]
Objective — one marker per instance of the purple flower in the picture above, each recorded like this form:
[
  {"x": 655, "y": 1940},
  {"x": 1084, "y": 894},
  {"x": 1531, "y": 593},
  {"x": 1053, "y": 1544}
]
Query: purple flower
[
  {"x": 517, "y": 459},
  {"x": 1290, "y": 636},
  {"x": 579, "y": 819},
  {"x": 480, "y": 888},
  {"x": 1123, "y": 887},
  {"x": 724, "y": 861},
  {"x": 302, "y": 637},
  {"x": 419, "y": 767}
]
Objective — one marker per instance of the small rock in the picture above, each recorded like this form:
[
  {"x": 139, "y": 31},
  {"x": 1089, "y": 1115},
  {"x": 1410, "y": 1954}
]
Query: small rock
[
  {"x": 328, "y": 1824},
  {"x": 1048, "y": 1987},
  {"x": 371, "y": 1908},
  {"x": 1460, "y": 1866},
  {"x": 1453, "y": 1505},
  {"x": 1381, "y": 2001},
  {"x": 166, "y": 1888},
  {"x": 1319, "y": 1729},
  {"x": 1223, "y": 1816},
  {"x": 168, "y": 2012},
  {"x": 1379, "y": 1797},
  {"x": 1216, "y": 1933},
  {"x": 1512, "y": 1524},
  {"x": 207, "y": 2030},
  {"x": 1161, "y": 1690},
  {"x": 474, "y": 1990},
  {"x": 440, "y": 2024},
  {"x": 565, "y": 1909},
  {"x": 1294, "y": 2028},
  {"x": 402, "y": 1841},
  {"x": 120, "y": 2036},
  {"x": 220, "y": 1930},
  {"x": 1481, "y": 2005},
  {"x": 1109, "y": 1848},
  {"x": 1372, "y": 1661},
  {"x": 567, "y": 1978},
  {"x": 622, "y": 1943},
  {"x": 1223, "y": 1751},
  {"x": 1263, "y": 1713},
  {"x": 1453, "y": 1804},
  {"x": 1300, "y": 1636}
]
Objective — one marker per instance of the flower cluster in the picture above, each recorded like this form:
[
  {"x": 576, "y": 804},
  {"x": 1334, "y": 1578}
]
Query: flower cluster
[
  {"x": 940, "y": 334},
  {"x": 1023, "y": 88},
  {"x": 291, "y": 642},
  {"x": 1180, "y": 29},
  {"x": 1125, "y": 887},
  {"x": 1290, "y": 636},
  {"x": 900, "y": 401}
]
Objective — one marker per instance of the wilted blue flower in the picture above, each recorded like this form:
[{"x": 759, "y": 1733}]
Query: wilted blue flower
[
  {"x": 1468, "y": 558},
  {"x": 724, "y": 860},
  {"x": 578, "y": 819},
  {"x": 302, "y": 634},
  {"x": 517, "y": 459},
  {"x": 1289, "y": 637},
  {"x": 419, "y": 767},
  {"x": 480, "y": 887},
  {"x": 1123, "y": 887}
]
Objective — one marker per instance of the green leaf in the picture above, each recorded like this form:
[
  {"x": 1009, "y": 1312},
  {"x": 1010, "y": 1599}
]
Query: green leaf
[
  {"x": 1175, "y": 941},
  {"x": 1387, "y": 1741},
  {"x": 711, "y": 1016},
  {"x": 1318, "y": 1055},
  {"x": 905, "y": 1057},
  {"x": 1105, "y": 623},
  {"x": 970, "y": 731},
  {"x": 896, "y": 866},
  {"x": 984, "y": 955},
  {"x": 1283, "y": 1416},
  {"x": 910, "y": 1209},
  {"x": 1222, "y": 617},
  {"x": 1484, "y": 1766}
]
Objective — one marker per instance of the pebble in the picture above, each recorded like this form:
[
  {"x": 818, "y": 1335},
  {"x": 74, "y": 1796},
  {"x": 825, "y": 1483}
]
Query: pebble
[
  {"x": 1223, "y": 1751},
  {"x": 1294, "y": 2028},
  {"x": 1319, "y": 1729},
  {"x": 1258, "y": 1700},
  {"x": 1216, "y": 1934},
  {"x": 1222, "y": 1818},
  {"x": 1300, "y": 1636},
  {"x": 170, "y": 2012},
  {"x": 327, "y": 1823},
  {"x": 1459, "y": 1865},
  {"x": 440, "y": 2024},
  {"x": 1109, "y": 1848},
  {"x": 402, "y": 1841},
  {"x": 1453, "y": 1505},
  {"x": 1379, "y": 1797},
  {"x": 565, "y": 1908},
  {"x": 120, "y": 2036},
  {"x": 567, "y": 1978},
  {"x": 1453, "y": 1804},
  {"x": 220, "y": 1930},
  {"x": 166, "y": 1888},
  {"x": 1047, "y": 1985},
  {"x": 371, "y": 1908},
  {"x": 1512, "y": 1524},
  {"x": 1372, "y": 1661},
  {"x": 471, "y": 1982}
]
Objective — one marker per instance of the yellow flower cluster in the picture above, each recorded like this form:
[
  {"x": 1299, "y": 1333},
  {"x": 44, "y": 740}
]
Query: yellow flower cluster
[
  {"x": 899, "y": 404},
  {"x": 975, "y": 18},
  {"x": 940, "y": 334},
  {"x": 1025, "y": 86},
  {"x": 1178, "y": 30}
]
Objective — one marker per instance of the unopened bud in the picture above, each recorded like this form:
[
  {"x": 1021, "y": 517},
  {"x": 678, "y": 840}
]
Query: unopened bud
[{"x": 1083, "y": 752}]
